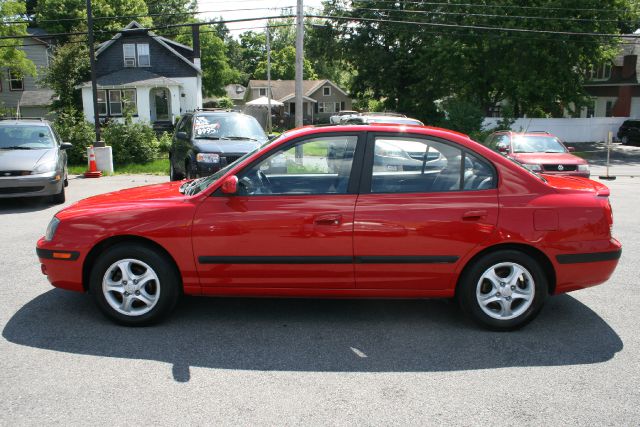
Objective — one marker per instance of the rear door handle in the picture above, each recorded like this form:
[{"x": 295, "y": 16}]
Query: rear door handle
[
  {"x": 474, "y": 215},
  {"x": 329, "y": 219}
]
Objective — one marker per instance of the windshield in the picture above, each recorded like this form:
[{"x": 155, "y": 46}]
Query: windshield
[
  {"x": 227, "y": 126},
  {"x": 26, "y": 137},
  {"x": 537, "y": 144},
  {"x": 197, "y": 185}
]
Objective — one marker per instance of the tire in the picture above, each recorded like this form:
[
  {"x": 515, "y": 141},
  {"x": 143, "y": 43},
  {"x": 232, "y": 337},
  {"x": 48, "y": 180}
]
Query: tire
[
  {"x": 60, "y": 197},
  {"x": 127, "y": 301},
  {"x": 173, "y": 175},
  {"x": 503, "y": 290},
  {"x": 66, "y": 178},
  {"x": 190, "y": 173},
  {"x": 624, "y": 140}
]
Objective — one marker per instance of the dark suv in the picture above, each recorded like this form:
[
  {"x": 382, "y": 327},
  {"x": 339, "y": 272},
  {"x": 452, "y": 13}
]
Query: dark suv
[
  {"x": 206, "y": 141},
  {"x": 629, "y": 132}
]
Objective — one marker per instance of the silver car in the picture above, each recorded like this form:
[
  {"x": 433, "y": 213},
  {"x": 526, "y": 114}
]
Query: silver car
[{"x": 33, "y": 161}]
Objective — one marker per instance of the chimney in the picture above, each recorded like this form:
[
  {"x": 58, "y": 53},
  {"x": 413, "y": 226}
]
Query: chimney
[
  {"x": 195, "y": 32},
  {"x": 629, "y": 66}
]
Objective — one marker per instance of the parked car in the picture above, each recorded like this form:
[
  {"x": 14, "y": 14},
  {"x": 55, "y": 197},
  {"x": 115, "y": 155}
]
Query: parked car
[
  {"x": 33, "y": 160},
  {"x": 482, "y": 229},
  {"x": 629, "y": 132},
  {"x": 380, "y": 118},
  {"x": 335, "y": 119},
  {"x": 539, "y": 152},
  {"x": 206, "y": 141}
]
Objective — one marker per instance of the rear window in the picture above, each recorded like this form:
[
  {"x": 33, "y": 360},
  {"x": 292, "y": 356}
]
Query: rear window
[{"x": 26, "y": 137}]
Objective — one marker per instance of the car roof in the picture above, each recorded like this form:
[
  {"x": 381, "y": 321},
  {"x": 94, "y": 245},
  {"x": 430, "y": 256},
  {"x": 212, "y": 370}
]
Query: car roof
[
  {"x": 378, "y": 127},
  {"x": 24, "y": 122}
]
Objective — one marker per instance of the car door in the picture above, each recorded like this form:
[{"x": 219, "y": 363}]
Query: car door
[
  {"x": 291, "y": 223},
  {"x": 414, "y": 225}
]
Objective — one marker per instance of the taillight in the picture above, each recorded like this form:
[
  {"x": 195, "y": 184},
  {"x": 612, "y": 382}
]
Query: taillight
[{"x": 609, "y": 214}]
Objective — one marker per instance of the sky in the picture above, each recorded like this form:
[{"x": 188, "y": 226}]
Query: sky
[{"x": 229, "y": 9}]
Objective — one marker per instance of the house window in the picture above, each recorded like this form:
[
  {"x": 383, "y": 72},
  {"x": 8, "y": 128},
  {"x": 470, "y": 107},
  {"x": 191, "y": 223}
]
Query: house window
[
  {"x": 321, "y": 107},
  {"x": 102, "y": 102},
  {"x": 262, "y": 91},
  {"x": 129, "y": 101},
  {"x": 602, "y": 72},
  {"x": 326, "y": 91},
  {"x": 16, "y": 81},
  {"x": 115, "y": 103},
  {"x": 591, "y": 109},
  {"x": 336, "y": 107},
  {"x": 609, "y": 109},
  {"x": 129, "y": 51},
  {"x": 144, "y": 60}
]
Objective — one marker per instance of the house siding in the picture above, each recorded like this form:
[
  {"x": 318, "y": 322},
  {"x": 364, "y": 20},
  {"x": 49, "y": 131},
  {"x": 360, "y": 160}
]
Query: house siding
[
  {"x": 336, "y": 96},
  {"x": 39, "y": 54},
  {"x": 163, "y": 62}
]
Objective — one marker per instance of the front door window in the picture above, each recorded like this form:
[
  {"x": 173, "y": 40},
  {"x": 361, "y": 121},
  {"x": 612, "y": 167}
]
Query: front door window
[{"x": 162, "y": 104}]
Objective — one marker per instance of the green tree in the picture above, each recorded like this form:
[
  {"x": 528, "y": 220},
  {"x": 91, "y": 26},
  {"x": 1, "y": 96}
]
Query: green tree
[
  {"x": 60, "y": 16},
  {"x": 11, "y": 56},
  {"x": 216, "y": 72},
  {"x": 411, "y": 67},
  {"x": 68, "y": 68},
  {"x": 283, "y": 66},
  {"x": 170, "y": 12}
]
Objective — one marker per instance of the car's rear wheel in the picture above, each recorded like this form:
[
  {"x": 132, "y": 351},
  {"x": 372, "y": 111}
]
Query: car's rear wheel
[
  {"x": 503, "y": 290},
  {"x": 134, "y": 284},
  {"x": 60, "y": 197}
]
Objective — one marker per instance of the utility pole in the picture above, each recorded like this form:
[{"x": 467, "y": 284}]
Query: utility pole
[
  {"x": 94, "y": 84},
  {"x": 269, "y": 124},
  {"x": 299, "y": 62}
]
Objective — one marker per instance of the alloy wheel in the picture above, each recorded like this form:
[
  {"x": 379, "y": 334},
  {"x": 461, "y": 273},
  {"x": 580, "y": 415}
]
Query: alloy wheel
[
  {"x": 131, "y": 287},
  {"x": 505, "y": 290}
]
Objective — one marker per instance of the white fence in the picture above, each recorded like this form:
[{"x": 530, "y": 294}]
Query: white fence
[{"x": 570, "y": 130}]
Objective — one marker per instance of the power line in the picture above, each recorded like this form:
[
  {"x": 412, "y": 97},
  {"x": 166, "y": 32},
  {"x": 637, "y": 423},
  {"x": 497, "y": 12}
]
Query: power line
[
  {"x": 149, "y": 15},
  {"x": 427, "y": 12},
  {"x": 472, "y": 27},
  {"x": 497, "y": 6}
]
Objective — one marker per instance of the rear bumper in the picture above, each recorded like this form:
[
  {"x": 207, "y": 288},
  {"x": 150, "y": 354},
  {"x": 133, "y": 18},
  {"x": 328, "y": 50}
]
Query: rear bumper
[
  {"x": 587, "y": 267},
  {"x": 31, "y": 185}
]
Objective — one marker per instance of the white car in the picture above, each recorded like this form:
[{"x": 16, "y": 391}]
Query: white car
[{"x": 335, "y": 119}]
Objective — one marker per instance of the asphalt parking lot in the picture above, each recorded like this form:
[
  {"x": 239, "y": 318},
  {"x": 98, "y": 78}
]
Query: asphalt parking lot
[{"x": 312, "y": 362}]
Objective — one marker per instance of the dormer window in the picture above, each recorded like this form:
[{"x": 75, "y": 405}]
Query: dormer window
[
  {"x": 129, "y": 51},
  {"x": 143, "y": 55},
  {"x": 602, "y": 72}
]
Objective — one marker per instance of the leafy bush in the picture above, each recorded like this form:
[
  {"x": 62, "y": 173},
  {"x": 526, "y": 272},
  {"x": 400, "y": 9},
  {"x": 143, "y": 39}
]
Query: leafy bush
[
  {"x": 463, "y": 116},
  {"x": 225, "y": 102},
  {"x": 164, "y": 143},
  {"x": 131, "y": 142},
  {"x": 72, "y": 127}
]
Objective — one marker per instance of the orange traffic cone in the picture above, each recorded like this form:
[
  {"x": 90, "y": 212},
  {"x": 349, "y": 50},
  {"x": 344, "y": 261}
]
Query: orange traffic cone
[{"x": 93, "y": 171}]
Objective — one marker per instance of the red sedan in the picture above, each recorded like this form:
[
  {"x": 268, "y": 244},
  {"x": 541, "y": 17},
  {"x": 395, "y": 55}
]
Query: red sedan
[{"x": 354, "y": 211}]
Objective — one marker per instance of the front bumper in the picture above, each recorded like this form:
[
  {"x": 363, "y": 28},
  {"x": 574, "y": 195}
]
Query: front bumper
[
  {"x": 569, "y": 173},
  {"x": 31, "y": 185},
  {"x": 62, "y": 267}
]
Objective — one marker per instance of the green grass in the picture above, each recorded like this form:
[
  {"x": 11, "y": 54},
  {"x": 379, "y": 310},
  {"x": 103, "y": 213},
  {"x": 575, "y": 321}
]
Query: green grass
[{"x": 157, "y": 167}]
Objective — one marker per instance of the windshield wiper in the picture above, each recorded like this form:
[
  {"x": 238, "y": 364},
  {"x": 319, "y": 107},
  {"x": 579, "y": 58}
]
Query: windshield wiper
[
  {"x": 241, "y": 137},
  {"x": 16, "y": 147},
  {"x": 207, "y": 137}
]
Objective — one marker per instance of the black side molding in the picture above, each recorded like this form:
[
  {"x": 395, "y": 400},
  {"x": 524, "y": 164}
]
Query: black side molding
[
  {"x": 48, "y": 254},
  {"x": 436, "y": 259},
  {"x": 589, "y": 257},
  {"x": 275, "y": 260},
  {"x": 432, "y": 259}
]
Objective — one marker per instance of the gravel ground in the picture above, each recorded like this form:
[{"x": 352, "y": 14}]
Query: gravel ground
[{"x": 312, "y": 362}]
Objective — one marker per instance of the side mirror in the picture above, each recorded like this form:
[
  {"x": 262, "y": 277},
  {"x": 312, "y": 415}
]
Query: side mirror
[
  {"x": 502, "y": 148},
  {"x": 230, "y": 185},
  {"x": 182, "y": 135},
  {"x": 571, "y": 149},
  {"x": 66, "y": 145}
]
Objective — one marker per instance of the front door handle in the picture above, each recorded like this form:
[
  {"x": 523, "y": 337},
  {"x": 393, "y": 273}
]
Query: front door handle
[
  {"x": 330, "y": 219},
  {"x": 474, "y": 215}
]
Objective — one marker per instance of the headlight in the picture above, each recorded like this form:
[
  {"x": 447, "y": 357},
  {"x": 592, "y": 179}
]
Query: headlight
[
  {"x": 45, "y": 167},
  {"x": 583, "y": 168},
  {"x": 208, "y": 158},
  {"x": 533, "y": 167},
  {"x": 51, "y": 229}
]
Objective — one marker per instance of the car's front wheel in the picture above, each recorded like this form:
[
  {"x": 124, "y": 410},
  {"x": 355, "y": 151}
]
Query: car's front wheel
[
  {"x": 134, "y": 284},
  {"x": 503, "y": 290},
  {"x": 60, "y": 197},
  {"x": 624, "y": 140},
  {"x": 173, "y": 174}
]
